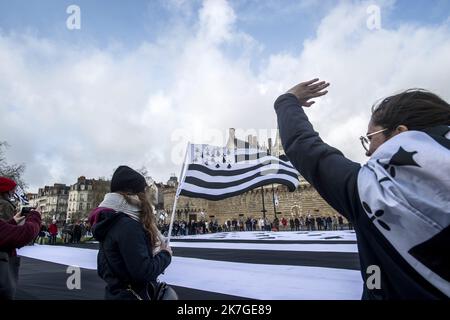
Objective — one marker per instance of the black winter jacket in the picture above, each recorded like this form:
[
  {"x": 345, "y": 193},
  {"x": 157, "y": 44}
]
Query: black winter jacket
[
  {"x": 125, "y": 256},
  {"x": 335, "y": 178}
]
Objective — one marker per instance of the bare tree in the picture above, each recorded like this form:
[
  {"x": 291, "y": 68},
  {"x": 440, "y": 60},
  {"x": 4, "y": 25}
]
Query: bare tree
[
  {"x": 12, "y": 171},
  {"x": 144, "y": 171}
]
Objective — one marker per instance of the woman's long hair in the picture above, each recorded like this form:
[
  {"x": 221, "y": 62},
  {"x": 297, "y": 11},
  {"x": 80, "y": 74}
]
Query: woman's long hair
[{"x": 147, "y": 216}]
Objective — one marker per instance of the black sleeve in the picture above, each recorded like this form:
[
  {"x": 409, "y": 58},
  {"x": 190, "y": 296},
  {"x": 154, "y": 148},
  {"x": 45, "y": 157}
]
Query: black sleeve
[
  {"x": 324, "y": 167},
  {"x": 133, "y": 246}
]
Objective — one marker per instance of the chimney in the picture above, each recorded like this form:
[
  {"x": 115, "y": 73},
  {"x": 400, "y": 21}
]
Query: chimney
[
  {"x": 250, "y": 139},
  {"x": 231, "y": 139},
  {"x": 255, "y": 142}
]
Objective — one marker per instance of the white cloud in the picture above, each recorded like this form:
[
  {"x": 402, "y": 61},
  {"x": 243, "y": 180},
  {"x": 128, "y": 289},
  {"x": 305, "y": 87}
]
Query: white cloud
[
  {"x": 363, "y": 66},
  {"x": 69, "y": 111},
  {"x": 216, "y": 19}
]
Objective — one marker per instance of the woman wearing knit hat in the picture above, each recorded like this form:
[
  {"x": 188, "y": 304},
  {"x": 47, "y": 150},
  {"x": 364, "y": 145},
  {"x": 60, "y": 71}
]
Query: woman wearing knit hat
[{"x": 132, "y": 251}]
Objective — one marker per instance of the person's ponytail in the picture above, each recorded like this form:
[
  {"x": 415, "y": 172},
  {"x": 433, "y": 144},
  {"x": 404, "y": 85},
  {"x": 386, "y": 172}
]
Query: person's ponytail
[
  {"x": 148, "y": 220},
  {"x": 147, "y": 216}
]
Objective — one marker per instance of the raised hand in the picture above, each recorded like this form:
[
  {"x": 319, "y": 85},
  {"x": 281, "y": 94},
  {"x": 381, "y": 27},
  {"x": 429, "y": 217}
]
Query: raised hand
[{"x": 308, "y": 90}]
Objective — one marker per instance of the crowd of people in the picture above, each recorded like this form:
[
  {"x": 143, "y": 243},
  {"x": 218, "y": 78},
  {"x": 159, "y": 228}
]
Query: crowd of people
[
  {"x": 300, "y": 223},
  {"x": 67, "y": 232}
]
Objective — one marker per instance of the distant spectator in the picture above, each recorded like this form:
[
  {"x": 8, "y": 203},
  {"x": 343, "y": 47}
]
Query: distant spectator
[
  {"x": 335, "y": 222},
  {"x": 67, "y": 232},
  {"x": 241, "y": 225},
  {"x": 341, "y": 223},
  {"x": 77, "y": 232},
  {"x": 276, "y": 224},
  {"x": 41, "y": 235},
  {"x": 267, "y": 225},
  {"x": 297, "y": 224},
  {"x": 291, "y": 224},
  {"x": 398, "y": 201},
  {"x": 301, "y": 222},
  {"x": 319, "y": 223},
  {"x": 350, "y": 225},
  {"x": 53, "y": 231},
  {"x": 284, "y": 223},
  {"x": 248, "y": 224},
  {"x": 329, "y": 223}
]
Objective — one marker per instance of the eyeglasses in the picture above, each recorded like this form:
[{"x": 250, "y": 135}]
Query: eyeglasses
[{"x": 365, "y": 141}]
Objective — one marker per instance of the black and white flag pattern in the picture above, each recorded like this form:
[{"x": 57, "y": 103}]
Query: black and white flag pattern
[
  {"x": 404, "y": 191},
  {"x": 216, "y": 173},
  {"x": 20, "y": 196}
]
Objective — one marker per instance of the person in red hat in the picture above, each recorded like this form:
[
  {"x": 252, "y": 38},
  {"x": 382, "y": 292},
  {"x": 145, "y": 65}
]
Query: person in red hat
[{"x": 7, "y": 188}]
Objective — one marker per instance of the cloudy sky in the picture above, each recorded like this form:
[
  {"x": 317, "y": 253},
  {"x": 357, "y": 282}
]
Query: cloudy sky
[{"x": 141, "y": 78}]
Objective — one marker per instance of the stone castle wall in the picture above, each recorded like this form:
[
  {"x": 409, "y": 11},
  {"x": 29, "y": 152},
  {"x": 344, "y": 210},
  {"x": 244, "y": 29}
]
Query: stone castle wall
[{"x": 305, "y": 200}]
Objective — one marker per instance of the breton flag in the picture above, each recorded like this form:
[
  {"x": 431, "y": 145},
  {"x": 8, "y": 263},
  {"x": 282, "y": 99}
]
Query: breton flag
[
  {"x": 20, "y": 195},
  {"x": 216, "y": 173}
]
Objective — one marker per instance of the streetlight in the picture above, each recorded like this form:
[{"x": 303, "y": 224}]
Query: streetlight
[
  {"x": 264, "y": 206},
  {"x": 274, "y": 204}
]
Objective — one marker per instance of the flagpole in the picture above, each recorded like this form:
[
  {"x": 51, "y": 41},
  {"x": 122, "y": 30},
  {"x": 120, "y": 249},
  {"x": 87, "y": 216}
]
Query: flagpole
[{"x": 177, "y": 195}]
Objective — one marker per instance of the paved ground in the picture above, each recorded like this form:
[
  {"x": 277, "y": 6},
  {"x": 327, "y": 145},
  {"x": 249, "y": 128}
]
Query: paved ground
[
  {"x": 310, "y": 265},
  {"x": 45, "y": 280}
]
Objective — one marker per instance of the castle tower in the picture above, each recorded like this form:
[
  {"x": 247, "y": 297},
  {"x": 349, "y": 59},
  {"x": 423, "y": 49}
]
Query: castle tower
[{"x": 277, "y": 149}]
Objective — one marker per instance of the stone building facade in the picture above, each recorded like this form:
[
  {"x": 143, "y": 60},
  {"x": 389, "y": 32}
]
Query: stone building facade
[
  {"x": 85, "y": 195},
  {"x": 51, "y": 202}
]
